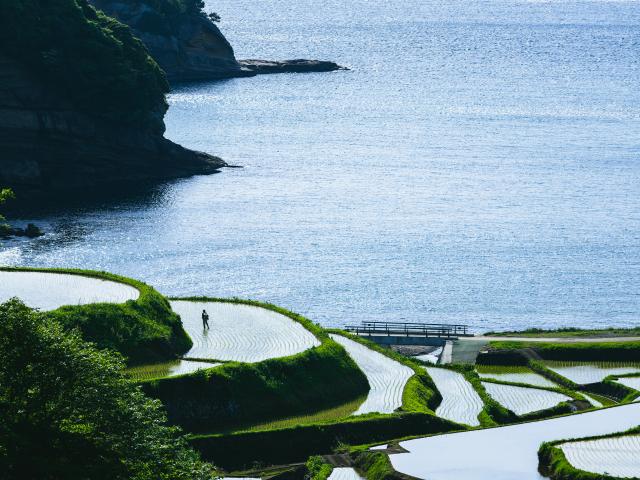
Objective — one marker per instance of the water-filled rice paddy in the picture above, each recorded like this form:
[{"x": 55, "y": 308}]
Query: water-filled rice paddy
[
  {"x": 48, "y": 291},
  {"x": 460, "y": 402},
  {"x": 631, "y": 382},
  {"x": 167, "y": 369},
  {"x": 522, "y": 400},
  {"x": 618, "y": 457},
  {"x": 242, "y": 333},
  {"x": 504, "y": 453},
  {"x": 592, "y": 401},
  {"x": 584, "y": 373},
  {"x": 387, "y": 378},
  {"x": 344, "y": 474},
  {"x": 514, "y": 374}
]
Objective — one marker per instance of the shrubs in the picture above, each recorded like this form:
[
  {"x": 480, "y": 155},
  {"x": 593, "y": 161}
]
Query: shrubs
[
  {"x": 90, "y": 59},
  {"x": 68, "y": 411},
  {"x": 318, "y": 469}
]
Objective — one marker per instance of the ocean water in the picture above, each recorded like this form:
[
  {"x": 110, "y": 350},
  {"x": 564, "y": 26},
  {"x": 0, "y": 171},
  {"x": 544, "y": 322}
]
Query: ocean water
[{"x": 479, "y": 163}]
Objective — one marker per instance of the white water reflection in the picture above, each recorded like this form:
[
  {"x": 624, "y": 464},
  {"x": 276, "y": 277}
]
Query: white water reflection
[{"x": 504, "y": 453}]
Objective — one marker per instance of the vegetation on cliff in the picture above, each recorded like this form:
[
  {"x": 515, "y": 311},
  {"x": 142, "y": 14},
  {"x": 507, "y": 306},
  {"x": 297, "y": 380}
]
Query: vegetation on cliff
[
  {"x": 90, "y": 59},
  {"x": 68, "y": 410}
]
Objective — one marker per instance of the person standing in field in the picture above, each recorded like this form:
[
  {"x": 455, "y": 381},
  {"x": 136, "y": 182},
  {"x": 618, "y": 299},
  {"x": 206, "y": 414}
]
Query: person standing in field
[{"x": 205, "y": 319}]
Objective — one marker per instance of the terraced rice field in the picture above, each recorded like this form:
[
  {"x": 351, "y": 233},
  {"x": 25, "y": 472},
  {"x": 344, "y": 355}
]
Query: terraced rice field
[
  {"x": 48, "y": 291},
  {"x": 522, "y": 400},
  {"x": 166, "y": 369},
  {"x": 504, "y": 453},
  {"x": 514, "y": 374},
  {"x": 618, "y": 457},
  {"x": 344, "y": 474},
  {"x": 460, "y": 402},
  {"x": 387, "y": 377},
  {"x": 331, "y": 414},
  {"x": 242, "y": 333},
  {"x": 584, "y": 373},
  {"x": 631, "y": 382}
]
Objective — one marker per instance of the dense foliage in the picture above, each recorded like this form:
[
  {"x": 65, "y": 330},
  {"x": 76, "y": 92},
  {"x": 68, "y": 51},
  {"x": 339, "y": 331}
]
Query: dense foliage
[
  {"x": 5, "y": 194},
  {"x": 88, "y": 58},
  {"x": 318, "y": 469},
  {"x": 68, "y": 411},
  {"x": 144, "y": 330}
]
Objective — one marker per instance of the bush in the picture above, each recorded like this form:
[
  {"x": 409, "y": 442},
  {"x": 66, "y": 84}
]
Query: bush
[
  {"x": 143, "y": 330},
  {"x": 318, "y": 469},
  {"x": 68, "y": 410},
  {"x": 90, "y": 59}
]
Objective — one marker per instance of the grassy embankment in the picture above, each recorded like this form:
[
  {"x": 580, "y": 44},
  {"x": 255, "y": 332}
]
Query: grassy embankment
[
  {"x": 535, "y": 355},
  {"x": 143, "y": 330},
  {"x": 236, "y": 396},
  {"x": 554, "y": 464},
  {"x": 292, "y": 443},
  {"x": 570, "y": 333}
]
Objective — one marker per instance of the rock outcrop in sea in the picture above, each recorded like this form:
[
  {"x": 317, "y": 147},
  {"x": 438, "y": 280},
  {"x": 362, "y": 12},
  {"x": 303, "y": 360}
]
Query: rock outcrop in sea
[{"x": 188, "y": 46}]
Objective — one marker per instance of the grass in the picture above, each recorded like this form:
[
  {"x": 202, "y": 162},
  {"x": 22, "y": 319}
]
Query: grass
[
  {"x": 499, "y": 369},
  {"x": 287, "y": 445},
  {"x": 375, "y": 465},
  {"x": 156, "y": 371},
  {"x": 570, "y": 332},
  {"x": 235, "y": 394},
  {"x": 144, "y": 330},
  {"x": 554, "y": 464},
  {"x": 592, "y": 351},
  {"x": 331, "y": 414}
]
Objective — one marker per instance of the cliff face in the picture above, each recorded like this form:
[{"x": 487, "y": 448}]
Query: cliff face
[
  {"x": 188, "y": 46},
  {"x": 46, "y": 144},
  {"x": 81, "y": 102}
]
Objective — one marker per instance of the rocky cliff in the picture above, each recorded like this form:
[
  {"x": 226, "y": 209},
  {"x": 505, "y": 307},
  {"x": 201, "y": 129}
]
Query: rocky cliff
[
  {"x": 81, "y": 102},
  {"x": 189, "y": 46},
  {"x": 47, "y": 144}
]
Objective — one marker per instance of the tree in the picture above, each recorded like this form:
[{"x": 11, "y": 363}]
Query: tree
[
  {"x": 5, "y": 228},
  {"x": 69, "y": 411}
]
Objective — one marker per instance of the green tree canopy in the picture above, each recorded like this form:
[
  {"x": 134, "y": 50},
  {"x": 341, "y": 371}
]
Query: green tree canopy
[{"x": 68, "y": 410}]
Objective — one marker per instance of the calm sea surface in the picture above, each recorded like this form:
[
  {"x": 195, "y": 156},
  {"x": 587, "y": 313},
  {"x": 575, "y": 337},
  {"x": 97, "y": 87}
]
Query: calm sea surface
[{"x": 479, "y": 163}]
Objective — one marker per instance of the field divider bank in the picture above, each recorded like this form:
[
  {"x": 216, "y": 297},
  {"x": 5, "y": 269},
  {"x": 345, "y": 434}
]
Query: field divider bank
[
  {"x": 236, "y": 395},
  {"x": 144, "y": 329}
]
